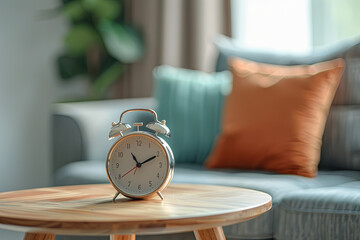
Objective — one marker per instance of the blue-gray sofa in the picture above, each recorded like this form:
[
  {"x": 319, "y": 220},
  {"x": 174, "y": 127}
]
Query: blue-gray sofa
[{"x": 324, "y": 207}]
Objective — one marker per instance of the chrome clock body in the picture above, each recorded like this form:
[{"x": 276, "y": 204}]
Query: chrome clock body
[{"x": 140, "y": 164}]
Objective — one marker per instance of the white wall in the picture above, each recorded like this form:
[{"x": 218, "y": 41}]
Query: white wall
[{"x": 28, "y": 86}]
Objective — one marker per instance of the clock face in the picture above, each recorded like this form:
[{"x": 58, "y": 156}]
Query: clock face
[{"x": 137, "y": 165}]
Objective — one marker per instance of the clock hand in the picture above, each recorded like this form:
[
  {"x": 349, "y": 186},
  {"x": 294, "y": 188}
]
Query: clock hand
[
  {"x": 134, "y": 158},
  {"x": 148, "y": 160},
  {"x": 129, "y": 171},
  {"x": 137, "y": 163}
]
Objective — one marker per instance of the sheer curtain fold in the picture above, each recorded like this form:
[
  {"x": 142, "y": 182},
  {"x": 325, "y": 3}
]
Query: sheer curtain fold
[{"x": 179, "y": 33}]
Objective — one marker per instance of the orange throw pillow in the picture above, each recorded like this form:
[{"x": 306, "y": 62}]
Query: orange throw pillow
[{"x": 275, "y": 116}]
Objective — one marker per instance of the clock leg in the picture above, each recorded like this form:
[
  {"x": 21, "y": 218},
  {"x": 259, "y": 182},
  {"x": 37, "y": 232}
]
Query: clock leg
[
  {"x": 210, "y": 234},
  {"x": 116, "y": 195},
  {"x": 160, "y": 195},
  {"x": 122, "y": 237},
  {"x": 39, "y": 236}
]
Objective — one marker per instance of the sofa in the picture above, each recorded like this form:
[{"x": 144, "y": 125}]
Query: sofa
[{"x": 324, "y": 207}]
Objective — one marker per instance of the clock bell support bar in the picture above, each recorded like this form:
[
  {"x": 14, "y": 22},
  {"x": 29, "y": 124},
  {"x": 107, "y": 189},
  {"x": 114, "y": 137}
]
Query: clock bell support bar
[
  {"x": 138, "y": 125},
  {"x": 157, "y": 126},
  {"x": 140, "y": 109}
]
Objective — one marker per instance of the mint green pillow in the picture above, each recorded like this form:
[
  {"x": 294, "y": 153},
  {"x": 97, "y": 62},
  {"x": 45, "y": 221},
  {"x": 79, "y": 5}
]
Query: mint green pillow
[{"x": 191, "y": 103}]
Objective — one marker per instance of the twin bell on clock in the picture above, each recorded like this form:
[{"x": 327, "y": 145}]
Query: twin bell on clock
[{"x": 140, "y": 164}]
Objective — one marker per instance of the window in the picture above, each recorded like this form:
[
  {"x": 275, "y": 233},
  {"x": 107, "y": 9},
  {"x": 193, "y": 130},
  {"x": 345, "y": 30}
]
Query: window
[{"x": 295, "y": 26}]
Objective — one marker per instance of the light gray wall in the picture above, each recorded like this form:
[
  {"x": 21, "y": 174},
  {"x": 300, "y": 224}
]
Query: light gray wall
[{"x": 28, "y": 86}]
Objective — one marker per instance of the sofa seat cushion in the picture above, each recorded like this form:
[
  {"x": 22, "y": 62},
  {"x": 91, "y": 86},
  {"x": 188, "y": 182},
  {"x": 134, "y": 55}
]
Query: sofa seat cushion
[
  {"x": 277, "y": 185},
  {"x": 81, "y": 172},
  {"x": 320, "y": 213}
]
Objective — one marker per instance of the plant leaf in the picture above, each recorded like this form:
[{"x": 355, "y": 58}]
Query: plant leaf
[
  {"x": 80, "y": 38},
  {"x": 103, "y": 9},
  {"x": 122, "y": 42},
  {"x": 74, "y": 10},
  {"x": 69, "y": 66},
  {"x": 108, "y": 77}
]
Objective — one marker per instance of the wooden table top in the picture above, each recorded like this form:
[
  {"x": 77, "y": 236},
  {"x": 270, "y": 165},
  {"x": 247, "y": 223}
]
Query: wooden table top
[{"x": 89, "y": 209}]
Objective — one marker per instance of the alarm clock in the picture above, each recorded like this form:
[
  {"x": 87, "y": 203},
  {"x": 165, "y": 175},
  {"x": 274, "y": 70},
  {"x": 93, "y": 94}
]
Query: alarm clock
[{"x": 140, "y": 164}]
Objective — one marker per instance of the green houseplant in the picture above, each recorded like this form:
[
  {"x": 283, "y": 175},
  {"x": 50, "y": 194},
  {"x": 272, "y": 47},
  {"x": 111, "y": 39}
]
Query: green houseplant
[{"x": 98, "y": 43}]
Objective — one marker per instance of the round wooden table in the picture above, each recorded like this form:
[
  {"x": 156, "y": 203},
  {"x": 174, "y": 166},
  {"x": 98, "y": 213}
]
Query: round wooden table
[{"x": 88, "y": 210}]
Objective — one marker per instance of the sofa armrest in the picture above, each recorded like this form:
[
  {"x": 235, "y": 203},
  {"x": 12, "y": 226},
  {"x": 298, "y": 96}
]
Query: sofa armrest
[{"x": 80, "y": 129}]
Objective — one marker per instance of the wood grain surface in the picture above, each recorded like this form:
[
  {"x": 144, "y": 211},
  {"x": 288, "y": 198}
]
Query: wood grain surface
[
  {"x": 39, "y": 236},
  {"x": 122, "y": 237},
  {"x": 210, "y": 234},
  {"x": 89, "y": 210}
]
